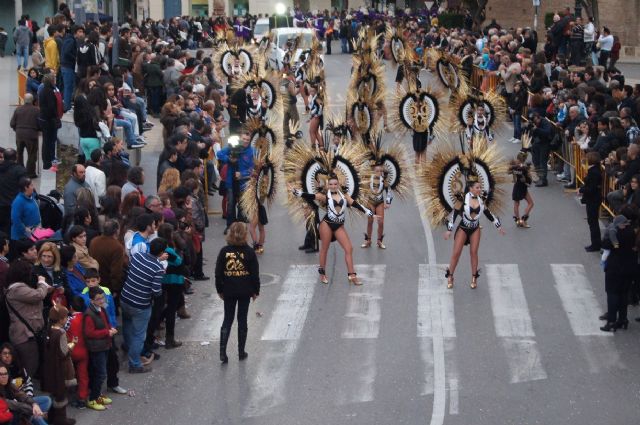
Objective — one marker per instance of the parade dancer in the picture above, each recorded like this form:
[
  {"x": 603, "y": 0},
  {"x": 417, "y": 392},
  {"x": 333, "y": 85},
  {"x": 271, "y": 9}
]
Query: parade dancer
[
  {"x": 344, "y": 168},
  {"x": 480, "y": 172},
  {"x": 522, "y": 179},
  {"x": 389, "y": 175},
  {"x": 476, "y": 116}
]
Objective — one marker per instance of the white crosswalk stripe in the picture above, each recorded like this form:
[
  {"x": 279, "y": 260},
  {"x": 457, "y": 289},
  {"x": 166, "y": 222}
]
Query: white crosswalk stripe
[
  {"x": 281, "y": 337},
  {"x": 362, "y": 324},
  {"x": 513, "y": 322}
]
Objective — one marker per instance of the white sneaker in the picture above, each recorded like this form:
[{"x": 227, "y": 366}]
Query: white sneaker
[
  {"x": 515, "y": 141},
  {"x": 560, "y": 176},
  {"x": 512, "y": 139}
]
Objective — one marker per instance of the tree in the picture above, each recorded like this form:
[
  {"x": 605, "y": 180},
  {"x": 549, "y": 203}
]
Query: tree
[{"x": 477, "y": 8}]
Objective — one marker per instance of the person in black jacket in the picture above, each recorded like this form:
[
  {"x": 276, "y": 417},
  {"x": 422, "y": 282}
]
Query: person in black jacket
[
  {"x": 616, "y": 197},
  {"x": 50, "y": 101},
  {"x": 592, "y": 197},
  {"x": 517, "y": 102},
  {"x": 10, "y": 173},
  {"x": 541, "y": 134},
  {"x": 619, "y": 272},
  {"x": 237, "y": 281}
]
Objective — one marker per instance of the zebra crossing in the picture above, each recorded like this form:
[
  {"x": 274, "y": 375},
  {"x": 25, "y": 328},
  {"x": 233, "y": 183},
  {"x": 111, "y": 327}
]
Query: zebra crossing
[{"x": 514, "y": 327}]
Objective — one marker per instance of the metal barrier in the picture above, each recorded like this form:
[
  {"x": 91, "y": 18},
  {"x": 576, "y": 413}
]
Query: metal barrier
[
  {"x": 22, "y": 86},
  {"x": 570, "y": 153}
]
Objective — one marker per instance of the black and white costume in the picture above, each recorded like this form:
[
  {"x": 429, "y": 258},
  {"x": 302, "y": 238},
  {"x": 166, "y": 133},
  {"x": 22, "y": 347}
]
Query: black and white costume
[
  {"x": 470, "y": 217},
  {"x": 378, "y": 190},
  {"x": 521, "y": 181},
  {"x": 316, "y": 109}
]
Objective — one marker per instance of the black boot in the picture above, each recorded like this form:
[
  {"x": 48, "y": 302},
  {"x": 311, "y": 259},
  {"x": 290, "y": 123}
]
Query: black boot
[
  {"x": 224, "y": 337},
  {"x": 242, "y": 341},
  {"x": 308, "y": 241}
]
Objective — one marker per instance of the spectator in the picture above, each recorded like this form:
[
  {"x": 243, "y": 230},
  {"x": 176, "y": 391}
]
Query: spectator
[
  {"x": 110, "y": 255},
  {"x": 135, "y": 180},
  {"x": 25, "y": 123},
  {"x": 541, "y": 134},
  {"x": 143, "y": 283},
  {"x": 18, "y": 375},
  {"x": 10, "y": 174},
  {"x": 79, "y": 354},
  {"x": 605, "y": 44},
  {"x": 21, "y": 406},
  {"x": 24, "y": 299},
  {"x": 22, "y": 36},
  {"x": 591, "y": 197},
  {"x": 68, "y": 55},
  {"x": 94, "y": 177},
  {"x": 51, "y": 110},
  {"x": 25, "y": 213},
  {"x": 74, "y": 271},
  {"x": 78, "y": 239},
  {"x": 76, "y": 182}
]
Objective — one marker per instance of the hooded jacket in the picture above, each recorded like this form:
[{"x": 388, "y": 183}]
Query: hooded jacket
[
  {"x": 10, "y": 173},
  {"x": 69, "y": 52},
  {"x": 51, "y": 53}
]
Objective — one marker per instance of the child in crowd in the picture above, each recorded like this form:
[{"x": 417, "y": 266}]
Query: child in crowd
[
  {"x": 79, "y": 355},
  {"x": 58, "y": 373},
  {"x": 98, "y": 334}
]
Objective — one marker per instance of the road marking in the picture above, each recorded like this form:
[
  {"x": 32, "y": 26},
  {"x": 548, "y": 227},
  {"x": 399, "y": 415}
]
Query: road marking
[
  {"x": 435, "y": 303},
  {"x": 578, "y": 299},
  {"x": 357, "y": 386},
  {"x": 513, "y": 323},
  {"x": 292, "y": 306},
  {"x": 453, "y": 396},
  {"x": 363, "y": 308},
  {"x": 439, "y": 373},
  {"x": 283, "y": 332}
]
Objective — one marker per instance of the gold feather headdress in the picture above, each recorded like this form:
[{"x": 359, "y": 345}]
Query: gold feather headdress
[
  {"x": 396, "y": 43},
  {"x": 447, "y": 68},
  {"x": 419, "y": 109},
  {"x": 225, "y": 60},
  {"x": 266, "y": 81},
  {"x": 464, "y": 107},
  {"x": 442, "y": 182},
  {"x": 305, "y": 167},
  {"x": 392, "y": 156}
]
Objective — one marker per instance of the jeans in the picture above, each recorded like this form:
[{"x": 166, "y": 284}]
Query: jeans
[
  {"x": 517, "y": 125},
  {"x": 44, "y": 402},
  {"x": 173, "y": 294},
  {"x": 129, "y": 135},
  {"x": 97, "y": 373},
  {"x": 343, "y": 45},
  {"x": 154, "y": 96},
  {"x": 540, "y": 153},
  {"x": 22, "y": 52},
  {"x": 230, "y": 309},
  {"x": 134, "y": 330},
  {"x": 604, "y": 58},
  {"x": 140, "y": 108},
  {"x": 132, "y": 118},
  {"x": 69, "y": 85}
]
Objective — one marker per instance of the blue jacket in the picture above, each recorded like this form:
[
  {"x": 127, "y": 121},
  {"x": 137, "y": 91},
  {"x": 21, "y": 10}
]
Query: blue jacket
[
  {"x": 111, "y": 306},
  {"x": 68, "y": 52},
  {"x": 174, "y": 275},
  {"x": 244, "y": 164},
  {"x": 75, "y": 282},
  {"x": 24, "y": 213}
]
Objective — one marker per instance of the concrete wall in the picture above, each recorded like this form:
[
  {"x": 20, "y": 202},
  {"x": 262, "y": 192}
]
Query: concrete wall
[{"x": 621, "y": 16}]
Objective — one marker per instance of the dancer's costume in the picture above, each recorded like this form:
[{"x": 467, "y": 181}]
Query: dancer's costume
[
  {"x": 447, "y": 67},
  {"x": 421, "y": 110},
  {"x": 446, "y": 177},
  {"x": 522, "y": 172},
  {"x": 304, "y": 166},
  {"x": 470, "y": 122},
  {"x": 393, "y": 158},
  {"x": 366, "y": 92}
]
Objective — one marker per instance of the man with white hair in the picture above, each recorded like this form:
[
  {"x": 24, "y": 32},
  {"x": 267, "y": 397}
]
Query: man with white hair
[{"x": 25, "y": 123}]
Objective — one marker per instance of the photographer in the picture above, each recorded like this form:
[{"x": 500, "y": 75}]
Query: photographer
[
  {"x": 541, "y": 133},
  {"x": 238, "y": 156}
]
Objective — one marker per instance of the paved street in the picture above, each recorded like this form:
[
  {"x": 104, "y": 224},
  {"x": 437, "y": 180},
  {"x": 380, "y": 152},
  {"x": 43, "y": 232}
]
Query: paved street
[{"x": 524, "y": 348}]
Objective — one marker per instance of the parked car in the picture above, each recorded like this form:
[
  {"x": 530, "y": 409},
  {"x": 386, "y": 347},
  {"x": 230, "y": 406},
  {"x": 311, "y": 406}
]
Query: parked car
[{"x": 279, "y": 39}]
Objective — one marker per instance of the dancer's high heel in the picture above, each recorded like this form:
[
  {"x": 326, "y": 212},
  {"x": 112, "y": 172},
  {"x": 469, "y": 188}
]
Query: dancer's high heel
[
  {"x": 524, "y": 222},
  {"x": 474, "y": 280},
  {"x": 367, "y": 241},
  {"x": 353, "y": 278},
  {"x": 323, "y": 276},
  {"x": 449, "y": 277}
]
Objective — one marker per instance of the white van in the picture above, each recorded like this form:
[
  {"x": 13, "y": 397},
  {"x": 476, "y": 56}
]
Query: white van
[
  {"x": 280, "y": 36},
  {"x": 261, "y": 29}
]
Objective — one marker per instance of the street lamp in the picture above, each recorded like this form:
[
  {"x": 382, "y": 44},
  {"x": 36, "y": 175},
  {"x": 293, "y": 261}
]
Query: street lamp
[{"x": 281, "y": 10}]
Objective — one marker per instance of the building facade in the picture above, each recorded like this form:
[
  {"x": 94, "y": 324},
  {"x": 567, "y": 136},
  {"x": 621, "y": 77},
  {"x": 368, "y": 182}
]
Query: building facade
[{"x": 621, "y": 16}]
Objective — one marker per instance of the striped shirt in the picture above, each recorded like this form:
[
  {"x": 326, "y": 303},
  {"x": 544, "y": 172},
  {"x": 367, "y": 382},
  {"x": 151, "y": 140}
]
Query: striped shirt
[{"x": 144, "y": 281}]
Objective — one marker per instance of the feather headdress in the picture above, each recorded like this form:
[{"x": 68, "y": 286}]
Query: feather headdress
[
  {"x": 442, "y": 182},
  {"x": 393, "y": 158},
  {"x": 465, "y": 106},
  {"x": 234, "y": 60}
]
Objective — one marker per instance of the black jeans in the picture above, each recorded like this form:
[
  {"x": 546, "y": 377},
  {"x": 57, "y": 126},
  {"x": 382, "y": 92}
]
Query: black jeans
[
  {"x": 5, "y": 219},
  {"x": 154, "y": 321},
  {"x": 593, "y": 212},
  {"x": 97, "y": 372},
  {"x": 113, "y": 366},
  {"x": 49, "y": 139},
  {"x": 540, "y": 153},
  {"x": 173, "y": 294},
  {"x": 230, "y": 309},
  {"x": 617, "y": 306}
]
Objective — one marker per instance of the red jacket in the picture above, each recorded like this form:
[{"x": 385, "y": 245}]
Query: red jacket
[
  {"x": 79, "y": 352},
  {"x": 90, "y": 330},
  {"x": 5, "y": 415}
]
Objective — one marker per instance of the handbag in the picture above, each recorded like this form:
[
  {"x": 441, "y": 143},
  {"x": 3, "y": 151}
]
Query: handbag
[{"x": 40, "y": 335}]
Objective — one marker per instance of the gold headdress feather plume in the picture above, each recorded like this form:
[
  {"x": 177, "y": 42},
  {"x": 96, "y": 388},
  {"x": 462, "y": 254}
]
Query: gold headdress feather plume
[
  {"x": 441, "y": 182},
  {"x": 393, "y": 157},
  {"x": 267, "y": 81},
  {"x": 463, "y": 106}
]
